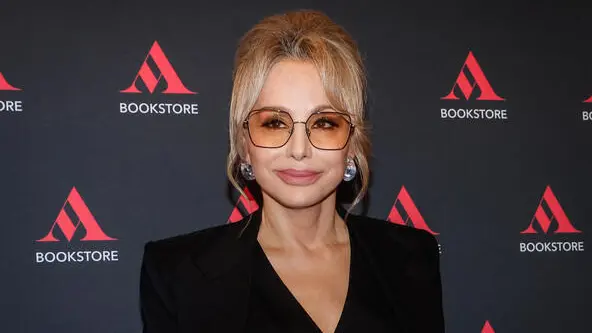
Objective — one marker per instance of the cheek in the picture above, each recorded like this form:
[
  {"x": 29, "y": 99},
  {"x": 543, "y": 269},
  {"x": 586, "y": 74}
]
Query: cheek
[
  {"x": 261, "y": 158},
  {"x": 332, "y": 162}
]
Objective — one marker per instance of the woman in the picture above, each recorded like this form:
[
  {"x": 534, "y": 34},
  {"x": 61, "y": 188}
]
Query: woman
[{"x": 297, "y": 264}]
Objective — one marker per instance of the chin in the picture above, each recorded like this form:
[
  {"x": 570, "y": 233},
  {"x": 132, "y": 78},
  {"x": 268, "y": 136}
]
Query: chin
[{"x": 294, "y": 197}]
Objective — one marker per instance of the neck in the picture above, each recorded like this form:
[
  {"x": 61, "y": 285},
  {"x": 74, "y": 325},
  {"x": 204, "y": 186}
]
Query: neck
[{"x": 302, "y": 228}]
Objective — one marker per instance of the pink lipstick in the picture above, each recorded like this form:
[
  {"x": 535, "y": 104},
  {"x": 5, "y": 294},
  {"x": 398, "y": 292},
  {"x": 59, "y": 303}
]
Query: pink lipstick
[{"x": 298, "y": 177}]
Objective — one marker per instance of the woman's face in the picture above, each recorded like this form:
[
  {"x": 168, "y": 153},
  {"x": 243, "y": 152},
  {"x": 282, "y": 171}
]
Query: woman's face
[{"x": 296, "y": 175}]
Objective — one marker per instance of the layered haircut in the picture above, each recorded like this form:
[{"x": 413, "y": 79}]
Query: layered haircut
[{"x": 308, "y": 36}]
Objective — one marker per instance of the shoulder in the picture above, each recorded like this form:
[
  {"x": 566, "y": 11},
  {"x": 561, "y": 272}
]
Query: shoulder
[
  {"x": 410, "y": 260},
  {"x": 167, "y": 253},
  {"x": 408, "y": 238}
]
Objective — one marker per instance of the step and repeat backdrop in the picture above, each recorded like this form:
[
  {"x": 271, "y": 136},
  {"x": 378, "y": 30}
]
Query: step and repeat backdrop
[{"x": 113, "y": 132}]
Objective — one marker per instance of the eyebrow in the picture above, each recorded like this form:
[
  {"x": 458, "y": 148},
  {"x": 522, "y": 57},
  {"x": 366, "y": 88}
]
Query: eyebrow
[{"x": 282, "y": 108}]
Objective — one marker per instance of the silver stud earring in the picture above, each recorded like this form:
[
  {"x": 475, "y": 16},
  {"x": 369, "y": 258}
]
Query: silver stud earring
[
  {"x": 350, "y": 170},
  {"x": 247, "y": 171}
]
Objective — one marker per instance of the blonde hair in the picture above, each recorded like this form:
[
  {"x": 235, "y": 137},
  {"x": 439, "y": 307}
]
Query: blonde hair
[{"x": 308, "y": 36}]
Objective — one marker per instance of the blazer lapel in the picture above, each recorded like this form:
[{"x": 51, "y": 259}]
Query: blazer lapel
[
  {"x": 226, "y": 284},
  {"x": 387, "y": 260}
]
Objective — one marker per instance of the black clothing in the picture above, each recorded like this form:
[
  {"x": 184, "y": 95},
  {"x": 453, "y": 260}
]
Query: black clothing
[
  {"x": 273, "y": 308},
  {"x": 201, "y": 282}
]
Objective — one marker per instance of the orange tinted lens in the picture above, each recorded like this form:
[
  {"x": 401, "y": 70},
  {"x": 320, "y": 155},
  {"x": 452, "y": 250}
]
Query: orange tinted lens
[
  {"x": 329, "y": 130},
  {"x": 270, "y": 128}
]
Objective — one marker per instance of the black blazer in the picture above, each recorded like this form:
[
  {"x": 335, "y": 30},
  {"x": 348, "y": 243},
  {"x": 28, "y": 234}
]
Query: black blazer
[{"x": 200, "y": 282}]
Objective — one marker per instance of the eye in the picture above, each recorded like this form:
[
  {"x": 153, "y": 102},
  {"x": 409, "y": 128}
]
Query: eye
[
  {"x": 274, "y": 124},
  {"x": 325, "y": 123}
]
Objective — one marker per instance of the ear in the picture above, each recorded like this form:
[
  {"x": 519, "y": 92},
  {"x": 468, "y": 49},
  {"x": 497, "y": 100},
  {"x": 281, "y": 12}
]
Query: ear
[
  {"x": 244, "y": 154},
  {"x": 351, "y": 153}
]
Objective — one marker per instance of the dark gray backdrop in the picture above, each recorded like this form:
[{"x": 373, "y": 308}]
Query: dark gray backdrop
[{"x": 476, "y": 182}]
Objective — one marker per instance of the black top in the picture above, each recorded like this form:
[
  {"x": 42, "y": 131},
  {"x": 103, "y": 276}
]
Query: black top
[
  {"x": 273, "y": 308},
  {"x": 201, "y": 282}
]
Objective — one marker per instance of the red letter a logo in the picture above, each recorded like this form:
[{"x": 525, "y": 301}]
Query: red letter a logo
[
  {"x": 4, "y": 85},
  {"x": 557, "y": 214},
  {"x": 462, "y": 81},
  {"x": 487, "y": 328},
  {"x": 167, "y": 72},
  {"x": 249, "y": 205},
  {"x": 85, "y": 218},
  {"x": 589, "y": 100},
  {"x": 413, "y": 214}
]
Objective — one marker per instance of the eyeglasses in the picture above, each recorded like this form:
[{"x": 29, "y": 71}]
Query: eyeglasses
[{"x": 272, "y": 128}]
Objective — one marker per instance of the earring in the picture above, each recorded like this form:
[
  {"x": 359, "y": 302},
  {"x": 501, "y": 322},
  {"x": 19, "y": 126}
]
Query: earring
[
  {"x": 247, "y": 171},
  {"x": 350, "y": 170}
]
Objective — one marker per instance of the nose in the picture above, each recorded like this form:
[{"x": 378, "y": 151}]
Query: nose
[{"x": 299, "y": 146}]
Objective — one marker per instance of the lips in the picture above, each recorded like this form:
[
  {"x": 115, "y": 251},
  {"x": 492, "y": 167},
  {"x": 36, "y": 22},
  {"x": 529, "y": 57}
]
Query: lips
[{"x": 298, "y": 177}]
